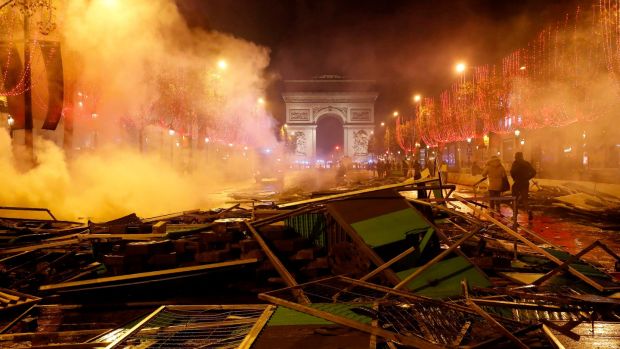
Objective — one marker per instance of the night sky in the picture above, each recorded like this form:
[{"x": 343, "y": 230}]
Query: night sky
[{"x": 406, "y": 46}]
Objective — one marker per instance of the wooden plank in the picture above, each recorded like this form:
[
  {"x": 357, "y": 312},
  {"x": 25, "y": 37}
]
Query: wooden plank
[
  {"x": 135, "y": 327},
  {"x": 562, "y": 267},
  {"x": 457, "y": 341},
  {"x": 434, "y": 261},
  {"x": 552, "y": 338},
  {"x": 33, "y": 336},
  {"x": 362, "y": 246},
  {"x": 413, "y": 341},
  {"x": 135, "y": 276},
  {"x": 407, "y": 182},
  {"x": 515, "y": 305},
  {"x": 496, "y": 324},
  {"x": 535, "y": 247},
  {"x": 388, "y": 264},
  {"x": 70, "y": 346},
  {"x": 140, "y": 237},
  {"x": 280, "y": 268},
  {"x": 249, "y": 339},
  {"x": 378, "y": 270},
  {"x": 39, "y": 246},
  {"x": 282, "y": 216}
]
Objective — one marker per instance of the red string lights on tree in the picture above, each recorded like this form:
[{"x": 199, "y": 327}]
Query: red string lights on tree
[{"x": 559, "y": 78}]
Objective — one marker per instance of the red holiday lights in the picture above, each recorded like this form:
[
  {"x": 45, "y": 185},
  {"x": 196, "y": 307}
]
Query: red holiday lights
[{"x": 554, "y": 81}]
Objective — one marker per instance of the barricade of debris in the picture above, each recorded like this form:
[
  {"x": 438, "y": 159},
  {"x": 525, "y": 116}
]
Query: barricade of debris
[{"x": 399, "y": 265}]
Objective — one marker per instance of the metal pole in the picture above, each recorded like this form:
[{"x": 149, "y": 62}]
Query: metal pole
[{"x": 28, "y": 122}]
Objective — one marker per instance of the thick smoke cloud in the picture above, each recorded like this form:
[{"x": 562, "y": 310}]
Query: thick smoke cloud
[{"x": 138, "y": 63}]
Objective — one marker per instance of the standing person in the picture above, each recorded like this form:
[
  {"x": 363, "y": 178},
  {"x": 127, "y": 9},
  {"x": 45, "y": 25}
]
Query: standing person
[
  {"x": 417, "y": 174},
  {"x": 521, "y": 172},
  {"x": 380, "y": 166},
  {"x": 495, "y": 172},
  {"x": 405, "y": 166}
]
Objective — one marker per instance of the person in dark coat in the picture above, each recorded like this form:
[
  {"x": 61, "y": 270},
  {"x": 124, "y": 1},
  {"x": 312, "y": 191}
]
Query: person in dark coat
[
  {"x": 521, "y": 172},
  {"x": 417, "y": 174}
]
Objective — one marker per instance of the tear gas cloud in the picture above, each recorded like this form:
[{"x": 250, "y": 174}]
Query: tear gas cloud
[{"x": 136, "y": 65}]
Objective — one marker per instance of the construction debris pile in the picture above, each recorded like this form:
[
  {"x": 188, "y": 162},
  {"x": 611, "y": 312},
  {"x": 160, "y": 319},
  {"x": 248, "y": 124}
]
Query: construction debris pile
[{"x": 380, "y": 267}]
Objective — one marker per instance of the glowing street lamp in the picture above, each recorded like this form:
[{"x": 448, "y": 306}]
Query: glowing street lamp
[
  {"x": 460, "y": 67},
  {"x": 170, "y": 132},
  {"x": 222, "y": 64},
  {"x": 382, "y": 124},
  {"x": 417, "y": 98},
  {"x": 10, "y": 121},
  {"x": 207, "y": 140},
  {"x": 517, "y": 133},
  {"x": 395, "y": 113},
  {"x": 261, "y": 101}
]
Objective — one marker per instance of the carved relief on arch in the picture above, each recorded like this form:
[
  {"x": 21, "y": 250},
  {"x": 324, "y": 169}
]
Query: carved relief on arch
[
  {"x": 299, "y": 115},
  {"x": 317, "y": 112},
  {"x": 360, "y": 114}
]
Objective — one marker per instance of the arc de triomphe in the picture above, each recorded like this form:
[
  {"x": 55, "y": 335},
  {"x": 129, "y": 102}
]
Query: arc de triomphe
[{"x": 350, "y": 102}]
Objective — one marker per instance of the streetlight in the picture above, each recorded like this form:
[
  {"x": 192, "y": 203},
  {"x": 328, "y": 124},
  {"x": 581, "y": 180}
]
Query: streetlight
[
  {"x": 517, "y": 133},
  {"x": 395, "y": 113},
  {"x": 171, "y": 134},
  {"x": 382, "y": 124},
  {"x": 222, "y": 64},
  {"x": 460, "y": 67},
  {"x": 261, "y": 101},
  {"x": 417, "y": 98},
  {"x": 10, "y": 121}
]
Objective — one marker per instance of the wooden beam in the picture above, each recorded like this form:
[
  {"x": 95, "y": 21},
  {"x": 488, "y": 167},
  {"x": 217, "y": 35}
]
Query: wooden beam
[
  {"x": 135, "y": 327},
  {"x": 322, "y": 199},
  {"x": 71, "y": 346},
  {"x": 552, "y": 338},
  {"x": 535, "y": 247},
  {"x": 496, "y": 324},
  {"x": 249, "y": 339},
  {"x": 282, "y": 216},
  {"x": 515, "y": 305},
  {"x": 408, "y": 340},
  {"x": 363, "y": 247},
  {"x": 131, "y": 277},
  {"x": 435, "y": 260},
  {"x": 563, "y": 266},
  {"x": 35, "y": 336},
  {"x": 378, "y": 270},
  {"x": 275, "y": 261},
  {"x": 388, "y": 264},
  {"x": 457, "y": 341},
  {"x": 35, "y": 247}
]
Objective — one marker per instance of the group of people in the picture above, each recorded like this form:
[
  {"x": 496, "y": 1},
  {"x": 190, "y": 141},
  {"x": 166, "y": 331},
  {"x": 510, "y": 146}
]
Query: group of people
[
  {"x": 383, "y": 168},
  {"x": 521, "y": 172}
]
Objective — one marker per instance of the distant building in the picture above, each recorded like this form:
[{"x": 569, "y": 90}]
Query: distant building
[{"x": 329, "y": 117}]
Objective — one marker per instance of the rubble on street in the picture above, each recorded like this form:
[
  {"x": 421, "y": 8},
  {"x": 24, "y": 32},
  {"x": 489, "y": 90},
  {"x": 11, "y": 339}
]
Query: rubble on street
[{"x": 363, "y": 266}]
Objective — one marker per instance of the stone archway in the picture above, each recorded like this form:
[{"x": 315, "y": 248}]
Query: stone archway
[
  {"x": 346, "y": 105},
  {"x": 329, "y": 135}
]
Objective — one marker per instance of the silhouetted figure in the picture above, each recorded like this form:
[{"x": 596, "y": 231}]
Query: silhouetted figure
[
  {"x": 417, "y": 174},
  {"x": 521, "y": 172},
  {"x": 405, "y": 166}
]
